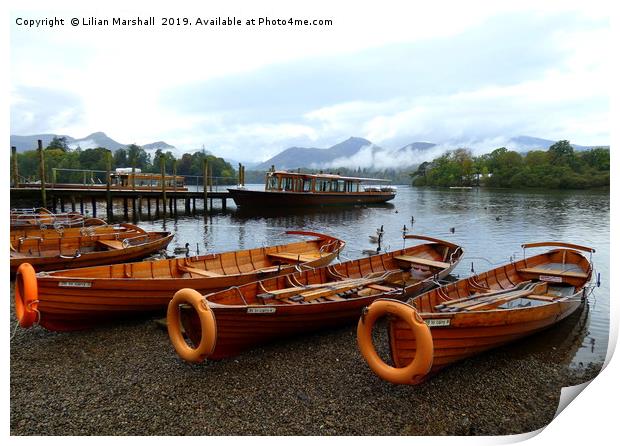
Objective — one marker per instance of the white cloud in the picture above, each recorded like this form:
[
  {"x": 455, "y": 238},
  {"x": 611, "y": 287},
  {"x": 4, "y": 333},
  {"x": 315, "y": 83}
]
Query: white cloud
[{"x": 114, "y": 80}]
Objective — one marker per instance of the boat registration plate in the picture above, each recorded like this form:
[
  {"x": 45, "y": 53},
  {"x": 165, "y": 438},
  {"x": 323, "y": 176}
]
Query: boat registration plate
[
  {"x": 437, "y": 322},
  {"x": 550, "y": 279},
  {"x": 261, "y": 310},
  {"x": 75, "y": 284}
]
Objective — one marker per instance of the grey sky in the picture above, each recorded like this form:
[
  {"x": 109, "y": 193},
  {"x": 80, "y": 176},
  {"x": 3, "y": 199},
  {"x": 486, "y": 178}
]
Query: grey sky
[{"x": 487, "y": 74}]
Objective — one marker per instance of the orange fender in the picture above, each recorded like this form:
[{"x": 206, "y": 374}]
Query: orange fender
[
  {"x": 208, "y": 326},
  {"x": 26, "y": 295},
  {"x": 423, "y": 360}
]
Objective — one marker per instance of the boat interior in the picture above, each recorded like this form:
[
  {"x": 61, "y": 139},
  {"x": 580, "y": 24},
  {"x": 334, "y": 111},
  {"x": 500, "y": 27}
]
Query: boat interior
[
  {"x": 259, "y": 260},
  {"x": 70, "y": 241},
  {"x": 386, "y": 274},
  {"x": 530, "y": 282}
]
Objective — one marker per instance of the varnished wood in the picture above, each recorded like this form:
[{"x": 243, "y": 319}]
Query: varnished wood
[
  {"x": 518, "y": 302},
  {"x": 127, "y": 288},
  {"x": 313, "y": 299}
]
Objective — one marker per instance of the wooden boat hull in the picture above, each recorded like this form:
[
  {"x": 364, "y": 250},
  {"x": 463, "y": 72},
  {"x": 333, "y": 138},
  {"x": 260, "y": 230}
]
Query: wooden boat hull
[
  {"x": 246, "y": 325},
  {"x": 159, "y": 241},
  {"x": 479, "y": 313},
  {"x": 255, "y": 199},
  {"x": 80, "y": 298},
  {"x": 469, "y": 334}
]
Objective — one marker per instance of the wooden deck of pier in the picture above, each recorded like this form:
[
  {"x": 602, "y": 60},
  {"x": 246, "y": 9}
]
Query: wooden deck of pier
[
  {"x": 60, "y": 197},
  {"x": 63, "y": 199}
]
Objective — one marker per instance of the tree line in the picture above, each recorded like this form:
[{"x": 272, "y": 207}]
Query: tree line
[
  {"x": 58, "y": 155},
  {"x": 559, "y": 167}
]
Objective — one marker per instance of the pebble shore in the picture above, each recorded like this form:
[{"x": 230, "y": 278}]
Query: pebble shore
[{"x": 126, "y": 379}]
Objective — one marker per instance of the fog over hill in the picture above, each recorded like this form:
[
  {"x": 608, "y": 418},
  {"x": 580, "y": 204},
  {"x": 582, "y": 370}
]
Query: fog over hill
[{"x": 353, "y": 153}]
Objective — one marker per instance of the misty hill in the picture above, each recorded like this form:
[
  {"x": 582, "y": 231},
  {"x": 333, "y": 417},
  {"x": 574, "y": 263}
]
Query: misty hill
[
  {"x": 94, "y": 140},
  {"x": 295, "y": 157},
  {"x": 527, "y": 143}
]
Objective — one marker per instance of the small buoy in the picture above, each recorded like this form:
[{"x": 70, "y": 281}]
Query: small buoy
[
  {"x": 498, "y": 218},
  {"x": 412, "y": 220},
  {"x": 396, "y": 211},
  {"x": 452, "y": 230}
]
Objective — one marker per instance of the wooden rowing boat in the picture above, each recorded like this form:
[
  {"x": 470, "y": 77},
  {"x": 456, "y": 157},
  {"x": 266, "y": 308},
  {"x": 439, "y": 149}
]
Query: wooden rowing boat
[
  {"x": 467, "y": 317},
  {"x": 29, "y": 235},
  {"x": 43, "y": 218},
  {"x": 223, "y": 324},
  {"x": 78, "y": 298},
  {"x": 51, "y": 249}
]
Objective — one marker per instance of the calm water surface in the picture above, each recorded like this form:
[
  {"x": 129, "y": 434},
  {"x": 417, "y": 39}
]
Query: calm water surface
[{"x": 490, "y": 225}]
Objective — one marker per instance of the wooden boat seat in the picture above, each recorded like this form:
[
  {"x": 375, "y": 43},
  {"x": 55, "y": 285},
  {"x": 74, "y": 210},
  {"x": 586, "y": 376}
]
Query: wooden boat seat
[
  {"x": 198, "y": 272},
  {"x": 422, "y": 261},
  {"x": 541, "y": 297},
  {"x": 305, "y": 257},
  {"x": 554, "y": 272},
  {"x": 111, "y": 244}
]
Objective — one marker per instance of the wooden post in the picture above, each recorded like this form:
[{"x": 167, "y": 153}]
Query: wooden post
[
  {"x": 133, "y": 176},
  {"x": 148, "y": 206},
  {"x": 62, "y": 204},
  {"x": 81, "y": 204},
  {"x": 174, "y": 179},
  {"x": 108, "y": 183},
  {"x": 156, "y": 207},
  {"x": 93, "y": 202},
  {"x": 205, "y": 184},
  {"x": 72, "y": 202},
  {"x": 194, "y": 205},
  {"x": 14, "y": 164},
  {"x": 162, "y": 164},
  {"x": 42, "y": 172},
  {"x": 239, "y": 180},
  {"x": 125, "y": 208},
  {"x": 140, "y": 207}
]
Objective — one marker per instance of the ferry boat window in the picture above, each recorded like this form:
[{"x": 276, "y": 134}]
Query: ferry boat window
[
  {"x": 340, "y": 185},
  {"x": 272, "y": 183},
  {"x": 307, "y": 185},
  {"x": 287, "y": 183}
]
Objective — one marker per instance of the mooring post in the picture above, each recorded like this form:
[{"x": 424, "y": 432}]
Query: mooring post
[
  {"x": 239, "y": 175},
  {"x": 42, "y": 172},
  {"x": 194, "y": 205},
  {"x": 14, "y": 165},
  {"x": 93, "y": 203},
  {"x": 148, "y": 206},
  {"x": 108, "y": 183},
  {"x": 174, "y": 182},
  {"x": 72, "y": 202},
  {"x": 125, "y": 208},
  {"x": 156, "y": 207},
  {"x": 162, "y": 164},
  {"x": 81, "y": 204},
  {"x": 140, "y": 207},
  {"x": 62, "y": 204},
  {"x": 205, "y": 182}
]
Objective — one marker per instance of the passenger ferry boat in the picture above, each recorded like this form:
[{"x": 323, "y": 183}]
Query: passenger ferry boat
[{"x": 291, "y": 189}]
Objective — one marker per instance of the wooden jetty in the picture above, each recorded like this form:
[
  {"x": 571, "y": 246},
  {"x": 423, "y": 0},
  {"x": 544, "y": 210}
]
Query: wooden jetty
[{"x": 163, "y": 197}]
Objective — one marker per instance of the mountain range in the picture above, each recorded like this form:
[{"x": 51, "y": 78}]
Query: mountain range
[
  {"x": 97, "y": 139},
  {"x": 353, "y": 153}
]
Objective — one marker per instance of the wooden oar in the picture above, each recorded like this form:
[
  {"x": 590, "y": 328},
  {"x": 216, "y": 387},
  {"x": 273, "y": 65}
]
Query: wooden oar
[
  {"x": 497, "y": 299},
  {"x": 452, "y": 302}
]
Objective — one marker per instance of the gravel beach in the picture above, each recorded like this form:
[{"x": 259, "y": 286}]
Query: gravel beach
[{"x": 126, "y": 379}]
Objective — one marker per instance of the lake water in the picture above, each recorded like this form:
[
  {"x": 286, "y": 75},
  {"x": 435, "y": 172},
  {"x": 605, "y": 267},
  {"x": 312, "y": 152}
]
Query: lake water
[{"x": 490, "y": 225}]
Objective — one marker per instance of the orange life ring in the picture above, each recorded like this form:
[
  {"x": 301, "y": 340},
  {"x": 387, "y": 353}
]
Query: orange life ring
[
  {"x": 208, "y": 326},
  {"x": 423, "y": 360},
  {"x": 26, "y": 295}
]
